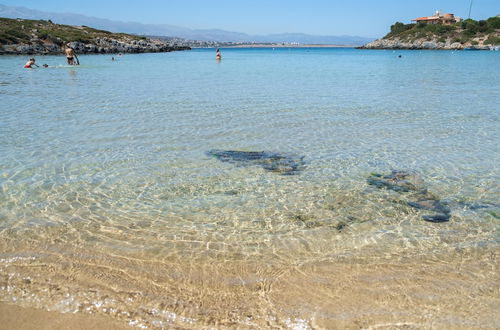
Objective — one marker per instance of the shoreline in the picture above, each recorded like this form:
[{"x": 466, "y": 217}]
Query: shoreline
[
  {"x": 425, "y": 44},
  {"x": 423, "y": 48},
  {"x": 361, "y": 292}
]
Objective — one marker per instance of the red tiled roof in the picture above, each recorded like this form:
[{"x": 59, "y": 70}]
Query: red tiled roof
[{"x": 425, "y": 19}]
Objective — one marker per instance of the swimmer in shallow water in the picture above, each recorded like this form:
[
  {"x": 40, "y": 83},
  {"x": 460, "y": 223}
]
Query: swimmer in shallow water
[
  {"x": 71, "y": 56},
  {"x": 30, "y": 64},
  {"x": 218, "y": 55}
]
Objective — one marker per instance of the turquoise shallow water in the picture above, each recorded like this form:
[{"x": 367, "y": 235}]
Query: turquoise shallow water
[{"x": 111, "y": 158}]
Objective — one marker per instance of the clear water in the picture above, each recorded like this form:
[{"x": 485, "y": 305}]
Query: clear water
[{"x": 110, "y": 204}]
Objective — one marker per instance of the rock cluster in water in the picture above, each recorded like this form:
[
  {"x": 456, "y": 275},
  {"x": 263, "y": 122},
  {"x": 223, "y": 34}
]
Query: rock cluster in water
[
  {"x": 284, "y": 164},
  {"x": 417, "y": 196}
]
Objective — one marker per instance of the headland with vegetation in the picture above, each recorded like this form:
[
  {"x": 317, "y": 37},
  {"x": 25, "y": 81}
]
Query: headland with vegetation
[
  {"x": 40, "y": 37},
  {"x": 465, "y": 34}
]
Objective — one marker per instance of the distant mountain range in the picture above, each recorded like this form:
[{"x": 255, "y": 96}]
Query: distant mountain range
[{"x": 177, "y": 31}]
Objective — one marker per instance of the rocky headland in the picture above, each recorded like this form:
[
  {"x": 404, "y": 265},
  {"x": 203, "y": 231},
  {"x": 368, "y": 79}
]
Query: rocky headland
[
  {"x": 467, "y": 34},
  {"x": 26, "y": 37}
]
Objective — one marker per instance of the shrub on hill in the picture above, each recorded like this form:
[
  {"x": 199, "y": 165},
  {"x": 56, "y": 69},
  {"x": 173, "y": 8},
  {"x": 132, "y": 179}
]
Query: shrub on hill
[
  {"x": 492, "y": 41},
  {"x": 493, "y": 22},
  {"x": 398, "y": 28}
]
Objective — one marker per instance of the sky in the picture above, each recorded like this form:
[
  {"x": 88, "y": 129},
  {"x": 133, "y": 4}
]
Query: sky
[{"x": 366, "y": 18}]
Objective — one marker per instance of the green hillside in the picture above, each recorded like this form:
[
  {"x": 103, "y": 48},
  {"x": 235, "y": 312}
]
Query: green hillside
[
  {"x": 463, "y": 32},
  {"x": 18, "y": 31}
]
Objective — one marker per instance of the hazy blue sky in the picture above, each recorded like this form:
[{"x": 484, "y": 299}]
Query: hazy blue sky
[{"x": 369, "y": 18}]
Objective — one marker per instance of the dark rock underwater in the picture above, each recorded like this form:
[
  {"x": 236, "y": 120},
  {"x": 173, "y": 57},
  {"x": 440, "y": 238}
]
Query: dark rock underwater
[
  {"x": 416, "y": 194},
  {"x": 281, "y": 163}
]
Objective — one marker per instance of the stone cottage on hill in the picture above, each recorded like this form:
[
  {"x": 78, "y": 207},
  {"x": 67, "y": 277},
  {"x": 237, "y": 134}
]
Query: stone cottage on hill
[{"x": 438, "y": 18}]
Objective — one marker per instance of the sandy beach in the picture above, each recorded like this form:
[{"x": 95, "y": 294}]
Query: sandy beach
[{"x": 445, "y": 292}]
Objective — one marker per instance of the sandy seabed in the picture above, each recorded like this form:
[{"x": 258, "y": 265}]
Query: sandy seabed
[{"x": 20, "y": 318}]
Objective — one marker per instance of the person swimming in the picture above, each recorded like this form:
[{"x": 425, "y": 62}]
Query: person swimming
[
  {"x": 218, "y": 55},
  {"x": 30, "y": 64}
]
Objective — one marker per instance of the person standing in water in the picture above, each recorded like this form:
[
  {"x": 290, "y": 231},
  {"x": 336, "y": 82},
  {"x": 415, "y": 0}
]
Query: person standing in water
[
  {"x": 30, "y": 64},
  {"x": 70, "y": 55},
  {"x": 218, "y": 55}
]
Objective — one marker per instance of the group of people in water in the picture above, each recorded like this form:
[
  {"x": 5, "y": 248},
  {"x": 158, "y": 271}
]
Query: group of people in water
[{"x": 71, "y": 57}]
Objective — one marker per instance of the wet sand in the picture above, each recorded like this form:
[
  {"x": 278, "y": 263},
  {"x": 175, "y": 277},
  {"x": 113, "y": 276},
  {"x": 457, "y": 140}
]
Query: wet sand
[
  {"x": 19, "y": 318},
  {"x": 446, "y": 292}
]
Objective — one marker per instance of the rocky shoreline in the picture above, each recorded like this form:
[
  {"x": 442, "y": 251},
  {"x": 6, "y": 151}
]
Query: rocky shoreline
[
  {"x": 99, "y": 46},
  {"x": 424, "y": 43},
  {"x": 462, "y": 34},
  {"x": 40, "y": 37}
]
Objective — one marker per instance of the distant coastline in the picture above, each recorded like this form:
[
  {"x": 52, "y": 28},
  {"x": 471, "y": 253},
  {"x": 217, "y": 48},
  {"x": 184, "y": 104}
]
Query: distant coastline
[{"x": 289, "y": 46}]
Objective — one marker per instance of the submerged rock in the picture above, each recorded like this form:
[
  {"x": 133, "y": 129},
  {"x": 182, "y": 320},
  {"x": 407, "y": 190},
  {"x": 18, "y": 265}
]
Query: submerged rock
[
  {"x": 437, "y": 217},
  {"x": 427, "y": 201},
  {"x": 284, "y": 164},
  {"x": 417, "y": 197},
  {"x": 400, "y": 181},
  {"x": 476, "y": 206}
]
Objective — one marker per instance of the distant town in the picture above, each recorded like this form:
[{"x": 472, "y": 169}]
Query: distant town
[{"x": 179, "y": 42}]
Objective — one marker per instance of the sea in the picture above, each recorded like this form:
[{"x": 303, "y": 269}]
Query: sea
[{"x": 265, "y": 190}]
